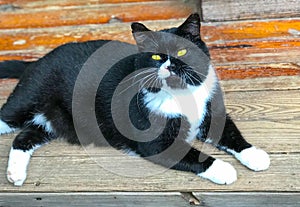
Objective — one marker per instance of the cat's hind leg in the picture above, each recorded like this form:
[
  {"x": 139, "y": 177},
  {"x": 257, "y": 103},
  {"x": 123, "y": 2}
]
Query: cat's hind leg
[
  {"x": 234, "y": 143},
  {"x": 26, "y": 142}
]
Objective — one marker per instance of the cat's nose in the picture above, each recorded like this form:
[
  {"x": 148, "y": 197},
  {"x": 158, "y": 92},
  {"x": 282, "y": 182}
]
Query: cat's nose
[{"x": 171, "y": 67}]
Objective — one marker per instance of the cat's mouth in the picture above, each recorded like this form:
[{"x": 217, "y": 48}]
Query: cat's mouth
[{"x": 171, "y": 79}]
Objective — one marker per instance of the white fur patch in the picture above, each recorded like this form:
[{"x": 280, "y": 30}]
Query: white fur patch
[
  {"x": 220, "y": 172},
  {"x": 163, "y": 72},
  {"x": 253, "y": 158},
  {"x": 5, "y": 129},
  {"x": 190, "y": 102},
  {"x": 17, "y": 166},
  {"x": 131, "y": 153},
  {"x": 40, "y": 120}
]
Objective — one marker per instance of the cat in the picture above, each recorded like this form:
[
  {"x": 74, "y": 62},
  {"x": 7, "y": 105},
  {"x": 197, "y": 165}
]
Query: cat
[{"x": 41, "y": 105}]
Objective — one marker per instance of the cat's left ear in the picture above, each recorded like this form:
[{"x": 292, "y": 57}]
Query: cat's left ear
[
  {"x": 139, "y": 32},
  {"x": 191, "y": 26},
  {"x": 142, "y": 35}
]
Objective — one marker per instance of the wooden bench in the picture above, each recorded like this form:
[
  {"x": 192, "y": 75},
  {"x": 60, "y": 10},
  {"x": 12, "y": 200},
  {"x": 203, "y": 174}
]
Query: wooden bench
[{"x": 255, "y": 47}]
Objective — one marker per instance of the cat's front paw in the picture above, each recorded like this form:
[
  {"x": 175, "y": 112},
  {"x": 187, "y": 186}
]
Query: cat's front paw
[
  {"x": 220, "y": 172},
  {"x": 253, "y": 158},
  {"x": 17, "y": 166},
  {"x": 16, "y": 176}
]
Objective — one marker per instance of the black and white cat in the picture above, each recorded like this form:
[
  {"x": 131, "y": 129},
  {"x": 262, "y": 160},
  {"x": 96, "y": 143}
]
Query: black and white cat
[{"x": 41, "y": 105}]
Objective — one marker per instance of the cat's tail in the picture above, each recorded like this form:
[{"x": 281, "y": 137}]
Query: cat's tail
[{"x": 12, "y": 68}]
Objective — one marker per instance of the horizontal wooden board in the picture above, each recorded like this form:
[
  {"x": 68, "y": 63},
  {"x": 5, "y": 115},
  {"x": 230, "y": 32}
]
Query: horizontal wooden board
[
  {"x": 60, "y": 15},
  {"x": 272, "y": 33},
  {"x": 266, "y": 105},
  {"x": 282, "y": 83},
  {"x": 249, "y": 199},
  {"x": 148, "y": 199},
  {"x": 26, "y": 4},
  {"x": 92, "y": 199},
  {"x": 251, "y": 71},
  {"x": 220, "y": 10}
]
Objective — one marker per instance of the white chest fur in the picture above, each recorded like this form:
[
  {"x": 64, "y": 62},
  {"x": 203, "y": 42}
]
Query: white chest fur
[{"x": 190, "y": 102}]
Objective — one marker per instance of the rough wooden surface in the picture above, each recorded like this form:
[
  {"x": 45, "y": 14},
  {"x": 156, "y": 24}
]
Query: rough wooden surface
[
  {"x": 268, "y": 118},
  {"x": 220, "y": 10},
  {"x": 18, "y": 14},
  {"x": 148, "y": 199},
  {"x": 249, "y": 199}
]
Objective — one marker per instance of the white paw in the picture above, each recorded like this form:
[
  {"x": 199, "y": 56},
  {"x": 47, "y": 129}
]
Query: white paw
[
  {"x": 16, "y": 176},
  {"x": 220, "y": 172},
  {"x": 17, "y": 166},
  {"x": 4, "y": 128},
  {"x": 253, "y": 158}
]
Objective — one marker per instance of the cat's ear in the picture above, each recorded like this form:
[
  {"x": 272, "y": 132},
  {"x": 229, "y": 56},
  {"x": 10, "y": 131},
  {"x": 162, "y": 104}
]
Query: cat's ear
[
  {"x": 140, "y": 32},
  {"x": 191, "y": 26},
  {"x": 142, "y": 35},
  {"x": 139, "y": 27}
]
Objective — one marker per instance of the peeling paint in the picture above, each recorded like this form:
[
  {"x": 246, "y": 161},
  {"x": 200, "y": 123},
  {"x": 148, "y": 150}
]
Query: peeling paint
[
  {"x": 19, "y": 42},
  {"x": 294, "y": 32}
]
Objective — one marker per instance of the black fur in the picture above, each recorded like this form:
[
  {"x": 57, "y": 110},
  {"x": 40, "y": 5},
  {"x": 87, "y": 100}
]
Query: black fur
[{"x": 12, "y": 68}]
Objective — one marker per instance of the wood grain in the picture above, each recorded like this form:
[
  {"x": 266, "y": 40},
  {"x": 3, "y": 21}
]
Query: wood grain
[
  {"x": 282, "y": 83},
  {"x": 61, "y": 15},
  {"x": 223, "y": 10},
  {"x": 50, "y": 3},
  {"x": 239, "y": 50},
  {"x": 251, "y": 71},
  {"x": 250, "y": 199},
  {"x": 92, "y": 199},
  {"x": 148, "y": 199},
  {"x": 266, "y": 34}
]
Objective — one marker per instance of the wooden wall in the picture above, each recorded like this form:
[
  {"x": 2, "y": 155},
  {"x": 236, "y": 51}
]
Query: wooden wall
[{"x": 248, "y": 39}]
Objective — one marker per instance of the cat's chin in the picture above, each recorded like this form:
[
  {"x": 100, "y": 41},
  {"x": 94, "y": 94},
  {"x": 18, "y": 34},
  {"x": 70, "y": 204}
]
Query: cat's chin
[{"x": 175, "y": 82}]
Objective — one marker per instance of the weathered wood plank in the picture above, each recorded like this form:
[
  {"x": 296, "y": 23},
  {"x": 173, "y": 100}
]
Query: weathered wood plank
[
  {"x": 148, "y": 199},
  {"x": 222, "y": 10},
  {"x": 251, "y": 71},
  {"x": 250, "y": 199},
  {"x": 279, "y": 33},
  {"x": 94, "y": 14},
  {"x": 25, "y": 4},
  {"x": 260, "y": 84},
  {"x": 92, "y": 199},
  {"x": 264, "y": 105}
]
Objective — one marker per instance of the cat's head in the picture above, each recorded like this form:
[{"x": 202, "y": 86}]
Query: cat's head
[{"x": 178, "y": 56}]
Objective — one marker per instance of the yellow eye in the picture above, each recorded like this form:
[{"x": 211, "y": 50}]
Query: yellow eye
[
  {"x": 156, "y": 57},
  {"x": 181, "y": 52}
]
